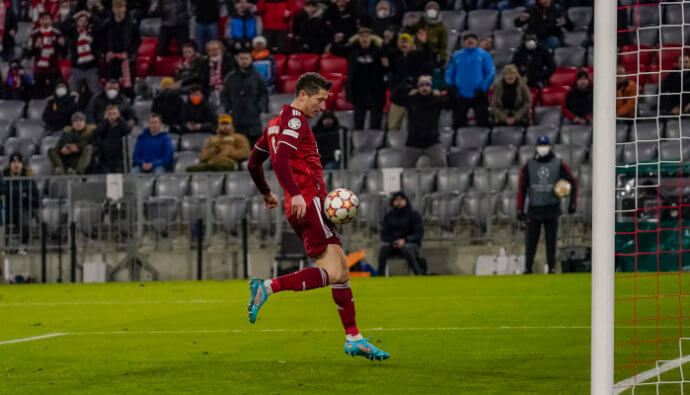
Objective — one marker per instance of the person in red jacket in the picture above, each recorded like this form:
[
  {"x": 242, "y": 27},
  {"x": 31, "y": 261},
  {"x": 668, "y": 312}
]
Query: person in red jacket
[{"x": 276, "y": 16}]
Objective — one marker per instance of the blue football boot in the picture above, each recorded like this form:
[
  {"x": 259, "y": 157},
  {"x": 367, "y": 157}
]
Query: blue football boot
[
  {"x": 257, "y": 298},
  {"x": 365, "y": 349}
]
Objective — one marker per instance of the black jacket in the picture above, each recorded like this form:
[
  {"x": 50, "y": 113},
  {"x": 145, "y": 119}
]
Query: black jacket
[
  {"x": 327, "y": 138},
  {"x": 170, "y": 106},
  {"x": 245, "y": 97},
  {"x": 58, "y": 112},
  {"x": 95, "y": 111},
  {"x": 120, "y": 37},
  {"x": 365, "y": 83},
  {"x": 412, "y": 65},
  {"x": 537, "y": 65},
  {"x": 206, "y": 11},
  {"x": 228, "y": 64},
  {"x": 108, "y": 141},
  {"x": 72, "y": 44},
  {"x": 20, "y": 194},
  {"x": 672, "y": 84},
  {"x": 173, "y": 13},
  {"x": 10, "y": 24},
  {"x": 194, "y": 74},
  {"x": 542, "y": 20},
  {"x": 423, "y": 113},
  {"x": 546, "y": 212},
  {"x": 341, "y": 21},
  {"x": 579, "y": 103},
  {"x": 203, "y": 114},
  {"x": 311, "y": 33},
  {"x": 405, "y": 223}
]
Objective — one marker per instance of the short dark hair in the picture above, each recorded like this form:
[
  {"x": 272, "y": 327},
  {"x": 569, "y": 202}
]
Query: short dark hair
[
  {"x": 156, "y": 115},
  {"x": 191, "y": 44},
  {"x": 195, "y": 88},
  {"x": 244, "y": 50},
  {"x": 45, "y": 13},
  {"x": 311, "y": 83},
  {"x": 469, "y": 35}
]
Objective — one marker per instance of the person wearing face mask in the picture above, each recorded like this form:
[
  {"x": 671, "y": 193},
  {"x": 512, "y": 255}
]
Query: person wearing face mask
[
  {"x": 534, "y": 61},
  {"x": 402, "y": 231},
  {"x": 327, "y": 132},
  {"x": 537, "y": 180},
  {"x": 84, "y": 47},
  {"x": 192, "y": 70},
  {"x": 546, "y": 19},
  {"x": 59, "y": 108},
  {"x": 169, "y": 105},
  {"x": 385, "y": 18},
  {"x": 111, "y": 95},
  {"x": 626, "y": 94},
  {"x": 199, "y": 117},
  {"x": 108, "y": 141},
  {"x": 224, "y": 150},
  {"x": 309, "y": 29},
  {"x": 511, "y": 99},
  {"x": 436, "y": 32},
  {"x": 470, "y": 73},
  {"x": 579, "y": 102}
]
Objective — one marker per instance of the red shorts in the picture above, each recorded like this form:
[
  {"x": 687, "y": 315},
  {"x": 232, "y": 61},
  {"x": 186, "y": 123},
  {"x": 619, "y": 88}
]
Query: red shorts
[{"x": 315, "y": 231}]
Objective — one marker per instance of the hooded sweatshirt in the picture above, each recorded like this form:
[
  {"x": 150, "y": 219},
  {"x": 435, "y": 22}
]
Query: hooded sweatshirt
[
  {"x": 579, "y": 103},
  {"x": 157, "y": 149},
  {"x": 402, "y": 223}
]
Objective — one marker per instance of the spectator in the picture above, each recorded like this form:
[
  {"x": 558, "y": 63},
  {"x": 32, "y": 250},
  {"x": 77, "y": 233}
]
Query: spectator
[
  {"x": 219, "y": 65},
  {"x": 169, "y": 105},
  {"x": 402, "y": 231},
  {"x": 579, "y": 101},
  {"x": 153, "y": 151},
  {"x": 192, "y": 70},
  {"x": 245, "y": 96},
  {"x": 264, "y": 62},
  {"x": 84, "y": 51},
  {"x": 327, "y": 133},
  {"x": 74, "y": 152},
  {"x": 276, "y": 16},
  {"x": 108, "y": 141},
  {"x": 626, "y": 93},
  {"x": 21, "y": 198},
  {"x": 511, "y": 100},
  {"x": 174, "y": 23},
  {"x": 59, "y": 108},
  {"x": 670, "y": 101},
  {"x": 341, "y": 16},
  {"x": 63, "y": 20},
  {"x": 19, "y": 85},
  {"x": 487, "y": 43},
  {"x": 199, "y": 117},
  {"x": 241, "y": 27},
  {"x": 207, "y": 17},
  {"x": 436, "y": 32},
  {"x": 309, "y": 29},
  {"x": 46, "y": 42},
  {"x": 386, "y": 18},
  {"x": 112, "y": 95},
  {"x": 366, "y": 67},
  {"x": 469, "y": 76},
  {"x": 424, "y": 107},
  {"x": 537, "y": 179},
  {"x": 121, "y": 40},
  {"x": 492, "y": 4},
  {"x": 545, "y": 19},
  {"x": 223, "y": 151},
  {"x": 8, "y": 29},
  {"x": 534, "y": 61},
  {"x": 39, "y": 7},
  {"x": 406, "y": 63}
]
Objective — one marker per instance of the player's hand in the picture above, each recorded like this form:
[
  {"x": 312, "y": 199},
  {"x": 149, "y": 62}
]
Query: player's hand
[
  {"x": 298, "y": 206},
  {"x": 399, "y": 243},
  {"x": 270, "y": 200}
]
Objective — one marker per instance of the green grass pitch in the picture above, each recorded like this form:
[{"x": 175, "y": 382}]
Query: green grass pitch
[{"x": 507, "y": 335}]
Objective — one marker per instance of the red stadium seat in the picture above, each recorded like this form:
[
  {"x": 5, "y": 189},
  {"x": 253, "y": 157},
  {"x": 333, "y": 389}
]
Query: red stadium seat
[
  {"x": 287, "y": 84},
  {"x": 329, "y": 64},
  {"x": 630, "y": 53},
  {"x": 342, "y": 104},
  {"x": 65, "y": 68},
  {"x": 554, "y": 96},
  {"x": 669, "y": 56},
  {"x": 653, "y": 76},
  {"x": 338, "y": 85},
  {"x": 280, "y": 65},
  {"x": 174, "y": 49},
  {"x": 148, "y": 47},
  {"x": 300, "y": 63},
  {"x": 143, "y": 66},
  {"x": 590, "y": 72},
  {"x": 564, "y": 76},
  {"x": 165, "y": 66}
]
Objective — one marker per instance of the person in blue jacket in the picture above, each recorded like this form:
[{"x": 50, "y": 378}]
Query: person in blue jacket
[
  {"x": 153, "y": 152},
  {"x": 240, "y": 28},
  {"x": 470, "y": 73}
]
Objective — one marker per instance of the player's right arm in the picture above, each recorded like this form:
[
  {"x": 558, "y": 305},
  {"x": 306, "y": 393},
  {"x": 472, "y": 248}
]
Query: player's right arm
[
  {"x": 256, "y": 170},
  {"x": 285, "y": 144}
]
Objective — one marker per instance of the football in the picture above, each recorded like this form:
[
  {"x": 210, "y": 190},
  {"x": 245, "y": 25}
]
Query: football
[
  {"x": 562, "y": 188},
  {"x": 341, "y": 206}
]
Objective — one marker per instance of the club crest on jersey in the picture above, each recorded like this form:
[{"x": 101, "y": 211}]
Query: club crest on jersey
[{"x": 294, "y": 123}]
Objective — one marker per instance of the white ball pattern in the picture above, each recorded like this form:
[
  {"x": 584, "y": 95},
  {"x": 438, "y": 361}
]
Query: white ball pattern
[{"x": 341, "y": 206}]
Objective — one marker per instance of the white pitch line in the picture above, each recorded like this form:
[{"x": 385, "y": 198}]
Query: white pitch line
[
  {"x": 28, "y": 339},
  {"x": 638, "y": 379},
  {"x": 106, "y": 302}
]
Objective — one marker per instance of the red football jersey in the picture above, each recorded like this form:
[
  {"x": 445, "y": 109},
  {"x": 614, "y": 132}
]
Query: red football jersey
[{"x": 290, "y": 130}]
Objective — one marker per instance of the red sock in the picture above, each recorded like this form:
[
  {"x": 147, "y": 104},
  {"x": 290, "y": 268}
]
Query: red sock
[
  {"x": 342, "y": 295},
  {"x": 307, "y": 278}
]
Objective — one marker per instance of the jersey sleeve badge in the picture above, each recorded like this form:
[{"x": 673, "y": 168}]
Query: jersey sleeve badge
[{"x": 294, "y": 124}]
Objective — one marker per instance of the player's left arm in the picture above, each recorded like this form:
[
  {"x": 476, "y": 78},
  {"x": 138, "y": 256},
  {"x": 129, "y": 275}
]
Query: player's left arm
[{"x": 567, "y": 175}]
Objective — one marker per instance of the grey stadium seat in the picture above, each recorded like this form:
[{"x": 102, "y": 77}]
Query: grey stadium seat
[
  {"x": 193, "y": 141},
  {"x": 153, "y": 83},
  {"x": 171, "y": 185},
  {"x": 11, "y": 110},
  {"x": 646, "y": 130},
  {"x": 455, "y": 180},
  {"x": 87, "y": 216},
  {"x": 23, "y": 35},
  {"x": 41, "y": 166},
  {"x": 453, "y": 20},
  {"x": 525, "y": 153},
  {"x": 30, "y": 129},
  {"x": 229, "y": 211},
  {"x": 206, "y": 185},
  {"x": 502, "y": 57},
  {"x": 161, "y": 211},
  {"x": 647, "y": 37},
  {"x": 346, "y": 119},
  {"x": 489, "y": 181},
  {"x": 193, "y": 209},
  {"x": 575, "y": 39},
  {"x": 675, "y": 150},
  {"x": 366, "y": 140},
  {"x": 472, "y": 137},
  {"x": 508, "y": 17},
  {"x": 507, "y": 38},
  {"x": 498, "y": 156},
  {"x": 584, "y": 179},
  {"x": 362, "y": 160},
  {"x": 464, "y": 158},
  {"x": 390, "y": 157},
  {"x": 185, "y": 159},
  {"x": 503, "y": 135},
  {"x": 26, "y": 147},
  {"x": 150, "y": 27},
  {"x": 675, "y": 14},
  {"x": 5, "y": 130},
  {"x": 239, "y": 184},
  {"x": 672, "y": 35},
  {"x": 647, "y": 16},
  {"x": 411, "y": 14},
  {"x": 580, "y": 16},
  {"x": 513, "y": 179},
  {"x": 622, "y": 129},
  {"x": 445, "y": 210},
  {"x": 447, "y": 136},
  {"x": 647, "y": 103},
  {"x": 418, "y": 184},
  {"x": 572, "y": 155},
  {"x": 576, "y": 134},
  {"x": 396, "y": 138},
  {"x": 547, "y": 115},
  {"x": 355, "y": 181},
  {"x": 47, "y": 143},
  {"x": 676, "y": 129},
  {"x": 276, "y": 102},
  {"x": 54, "y": 213},
  {"x": 142, "y": 109},
  {"x": 446, "y": 118},
  {"x": 35, "y": 108},
  {"x": 482, "y": 21},
  {"x": 569, "y": 57},
  {"x": 534, "y": 132},
  {"x": 453, "y": 38},
  {"x": 175, "y": 140},
  {"x": 373, "y": 182}
]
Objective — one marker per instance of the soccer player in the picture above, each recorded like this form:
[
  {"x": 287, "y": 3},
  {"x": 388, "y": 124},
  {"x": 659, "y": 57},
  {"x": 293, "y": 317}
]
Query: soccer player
[{"x": 291, "y": 146}]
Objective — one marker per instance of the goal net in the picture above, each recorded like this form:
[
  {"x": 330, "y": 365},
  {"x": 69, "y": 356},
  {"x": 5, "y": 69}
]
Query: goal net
[{"x": 652, "y": 205}]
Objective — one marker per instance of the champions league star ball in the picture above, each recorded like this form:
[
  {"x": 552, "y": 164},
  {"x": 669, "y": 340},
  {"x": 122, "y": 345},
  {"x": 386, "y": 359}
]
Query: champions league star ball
[
  {"x": 341, "y": 206},
  {"x": 562, "y": 188}
]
